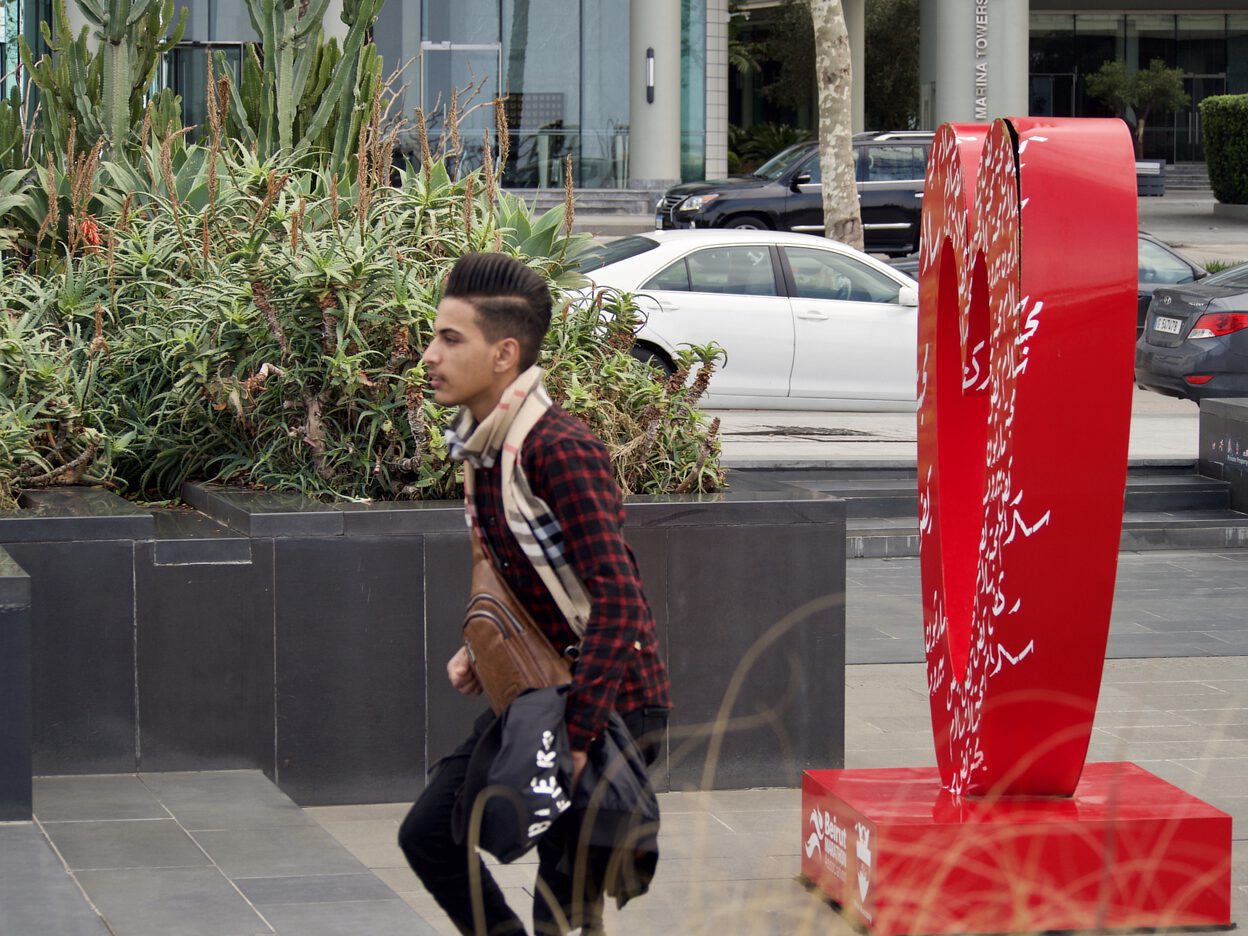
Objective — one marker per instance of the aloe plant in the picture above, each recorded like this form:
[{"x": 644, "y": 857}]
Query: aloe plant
[{"x": 260, "y": 321}]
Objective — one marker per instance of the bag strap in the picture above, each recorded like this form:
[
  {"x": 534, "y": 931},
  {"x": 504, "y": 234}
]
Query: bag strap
[{"x": 482, "y": 551}]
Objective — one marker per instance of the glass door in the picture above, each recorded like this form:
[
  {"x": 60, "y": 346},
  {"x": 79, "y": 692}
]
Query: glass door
[
  {"x": 1188, "y": 144},
  {"x": 1053, "y": 95},
  {"x": 470, "y": 74},
  {"x": 185, "y": 70}
]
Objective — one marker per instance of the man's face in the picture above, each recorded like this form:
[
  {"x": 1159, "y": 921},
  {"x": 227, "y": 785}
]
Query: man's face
[{"x": 465, "y": 368}]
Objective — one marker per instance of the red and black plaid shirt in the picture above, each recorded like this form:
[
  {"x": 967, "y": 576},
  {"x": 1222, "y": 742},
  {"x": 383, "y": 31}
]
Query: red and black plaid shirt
[{"x": 619, "y": 666}]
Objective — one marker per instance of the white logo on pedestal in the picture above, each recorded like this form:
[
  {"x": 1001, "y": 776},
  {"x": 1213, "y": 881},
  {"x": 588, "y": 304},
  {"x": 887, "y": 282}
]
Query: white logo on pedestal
[
  {"x": 829, "y": 838},
  {"x": 863, "y": 852}
]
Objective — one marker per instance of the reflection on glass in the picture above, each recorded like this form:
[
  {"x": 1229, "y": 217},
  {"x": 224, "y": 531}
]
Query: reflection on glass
[
  {"x": 460, "y": 21},
  {"x": 692, "y": 90},
  {"x": 779, "y": 164},
  {"x": 470, "y": 75},
  {"x": 186, "y": 72},
  {"x": 9, "y": 30},
  {"x": 1202, "y": 44},
  {"x": 1052, "y": 56},
  {"x": 1237, "y": 54}
]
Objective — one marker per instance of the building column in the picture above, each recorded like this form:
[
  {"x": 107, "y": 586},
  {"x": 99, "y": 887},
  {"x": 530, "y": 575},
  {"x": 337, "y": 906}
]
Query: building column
[
  {"x": 716, "y": 89},
  {"x": 856, "y": 26},
  {"x": 654, "y": 126},
  {"x": 1009, "y": 37},
  {"x": 973, "y": 60}
]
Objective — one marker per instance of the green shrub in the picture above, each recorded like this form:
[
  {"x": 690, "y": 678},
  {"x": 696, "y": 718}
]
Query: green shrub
[
  {"x": 1224, "y": 119},
  {"x": 1217, "y": 266},
  {"x": 260, "y": 323},
  {"x": 750, "y": 147}
]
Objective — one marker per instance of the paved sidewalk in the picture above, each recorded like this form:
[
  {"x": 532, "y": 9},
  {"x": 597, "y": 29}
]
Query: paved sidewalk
[
  {"x": 1164, "y": 431},
  {"x": 730, "y": 858},
  {"x": 226, "y": 854}
]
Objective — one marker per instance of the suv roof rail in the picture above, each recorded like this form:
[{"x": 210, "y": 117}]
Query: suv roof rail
[{"x": 902, "y": 135}]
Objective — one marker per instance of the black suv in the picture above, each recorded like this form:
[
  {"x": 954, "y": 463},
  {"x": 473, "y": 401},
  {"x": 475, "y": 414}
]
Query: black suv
[{"x": 785, "y": 193}]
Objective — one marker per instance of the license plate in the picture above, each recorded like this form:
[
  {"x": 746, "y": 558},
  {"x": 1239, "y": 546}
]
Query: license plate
[{"x": 1171, "y": 326}]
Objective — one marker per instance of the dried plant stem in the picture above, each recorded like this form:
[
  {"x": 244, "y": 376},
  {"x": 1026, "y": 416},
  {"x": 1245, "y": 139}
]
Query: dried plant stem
[
  {"x": 569, "y": 208},
  {"x": 53, "y": 216},
  {"x": 693, "y": 480},
  {"x": 98, "y": 344},
  {"x": 503, "y": 133},
  {"x": 491, "y": 183},
  {"x": 68, "y": 473},
  {"x": 426, "y": 155},
  {"x": 260, "y": 293},
  {"x": 314, "y": 433},
  {"x": 255, "y": 383},
  {"x": 470, "y": 204},
  {"x": 452, "y": 126}
]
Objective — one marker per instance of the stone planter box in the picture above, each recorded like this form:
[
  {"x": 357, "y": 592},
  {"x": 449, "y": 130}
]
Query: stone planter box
[
  {"x": 1150, "y": 177},
  {"x": 15, "y": 701},
  {"x": 310, "y": 640},
  {"x": 1223, "y": 446}
]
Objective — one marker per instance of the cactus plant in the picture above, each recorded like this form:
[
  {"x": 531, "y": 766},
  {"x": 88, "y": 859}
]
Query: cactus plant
[
  {"x": 12, "y": 132},
  {"x": 103, "y": 90},
  {"x": 302, "y": 93}
]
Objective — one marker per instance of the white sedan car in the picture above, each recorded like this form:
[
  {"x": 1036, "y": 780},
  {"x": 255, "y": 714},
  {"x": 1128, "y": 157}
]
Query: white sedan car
[{"x": 807, "y": 323}]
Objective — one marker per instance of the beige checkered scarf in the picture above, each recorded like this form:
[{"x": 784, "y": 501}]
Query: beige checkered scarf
[{"x": 501, "y": 434}]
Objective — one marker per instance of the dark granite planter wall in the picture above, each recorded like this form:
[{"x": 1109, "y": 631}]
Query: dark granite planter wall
[
  {"x": 311, "y": 640},
  {"x": 15, "y": 696},
  {"x": 77, "y": 546},
  {"x": 1224, "y": 446}
]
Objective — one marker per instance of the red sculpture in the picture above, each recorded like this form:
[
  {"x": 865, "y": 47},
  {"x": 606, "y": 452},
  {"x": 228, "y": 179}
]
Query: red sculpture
[
  {"x": 1026, "y": 332},
  {"x": 1026, "y": 345}
]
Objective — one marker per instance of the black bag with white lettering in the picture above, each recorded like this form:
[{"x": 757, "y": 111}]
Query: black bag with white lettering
[{"x": 519, "y": 777}]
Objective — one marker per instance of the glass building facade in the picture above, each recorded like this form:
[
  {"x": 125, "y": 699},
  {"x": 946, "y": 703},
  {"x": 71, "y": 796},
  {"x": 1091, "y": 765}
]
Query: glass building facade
[
  {"x": 563, "y": 66},
  {"x": 1210, "y": 48}
]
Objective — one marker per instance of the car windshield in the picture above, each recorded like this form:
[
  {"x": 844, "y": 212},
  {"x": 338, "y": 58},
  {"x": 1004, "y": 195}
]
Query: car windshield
[
  {"x": 775, "y": 167},
  {"x": 1235, "y": 276},
  {"x": 601, "y": 255}
]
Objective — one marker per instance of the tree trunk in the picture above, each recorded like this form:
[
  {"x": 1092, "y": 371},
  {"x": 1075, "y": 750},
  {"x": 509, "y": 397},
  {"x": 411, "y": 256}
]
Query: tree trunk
[
  {"x": 1141, "y": 118},
  {"x": 833, "y": 73}
]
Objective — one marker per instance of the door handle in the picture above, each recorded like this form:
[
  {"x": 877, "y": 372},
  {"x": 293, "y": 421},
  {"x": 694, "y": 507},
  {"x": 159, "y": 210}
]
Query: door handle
[{"x": 812, "y": 316}]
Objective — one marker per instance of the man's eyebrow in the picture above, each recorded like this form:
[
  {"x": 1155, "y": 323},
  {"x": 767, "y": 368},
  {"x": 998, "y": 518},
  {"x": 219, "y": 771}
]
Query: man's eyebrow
[{"x": 447, "y": 330}]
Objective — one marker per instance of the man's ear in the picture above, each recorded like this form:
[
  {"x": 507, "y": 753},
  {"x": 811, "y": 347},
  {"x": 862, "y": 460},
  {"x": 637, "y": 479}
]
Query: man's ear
[{"x": 506, "y": 355}]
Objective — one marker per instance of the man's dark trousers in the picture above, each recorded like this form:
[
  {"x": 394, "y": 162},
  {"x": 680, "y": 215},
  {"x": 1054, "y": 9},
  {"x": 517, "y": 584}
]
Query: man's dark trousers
[{"x": 442, "y": 864}]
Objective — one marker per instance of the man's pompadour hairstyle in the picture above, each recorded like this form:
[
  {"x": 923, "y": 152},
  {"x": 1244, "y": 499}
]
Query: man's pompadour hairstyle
[{"x": 511, "y": 300}]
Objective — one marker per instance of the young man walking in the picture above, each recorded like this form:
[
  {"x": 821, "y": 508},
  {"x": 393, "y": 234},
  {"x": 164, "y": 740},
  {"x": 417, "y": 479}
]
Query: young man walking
[{"x": 548, "y": 507}]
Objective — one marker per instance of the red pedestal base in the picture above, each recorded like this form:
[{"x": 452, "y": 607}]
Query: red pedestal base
[{"x": 1127, "y": 850}]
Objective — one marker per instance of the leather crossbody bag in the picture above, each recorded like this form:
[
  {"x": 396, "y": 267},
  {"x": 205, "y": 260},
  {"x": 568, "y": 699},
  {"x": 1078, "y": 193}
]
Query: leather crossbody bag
[{"x": 507, "y": 649}]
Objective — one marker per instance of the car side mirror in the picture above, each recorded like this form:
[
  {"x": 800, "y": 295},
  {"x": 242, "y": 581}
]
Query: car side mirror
[
  {"x": 908, "y": 297},
  {"x": 1200, "y": 274},
  {"x": 802, "y": 178}
]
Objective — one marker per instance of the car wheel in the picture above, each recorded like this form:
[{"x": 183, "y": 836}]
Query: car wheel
[
  {"x": 747, "y": 223},
  {"x": 656, "y": 359}
]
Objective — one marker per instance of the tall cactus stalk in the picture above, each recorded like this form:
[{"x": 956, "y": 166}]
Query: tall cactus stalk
[
  {"x": 302, "y": 93},
  {"x": 103, "y": 90}
]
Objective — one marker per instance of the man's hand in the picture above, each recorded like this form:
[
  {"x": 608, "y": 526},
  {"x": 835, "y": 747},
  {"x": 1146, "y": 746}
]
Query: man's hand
[
  {"x": 461, "y": 674},
  {"x": 579, "y": 760}
]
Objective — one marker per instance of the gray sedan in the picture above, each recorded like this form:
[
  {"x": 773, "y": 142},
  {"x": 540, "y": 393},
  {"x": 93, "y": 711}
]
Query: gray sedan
[{"x": 1195, "y": 340}]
